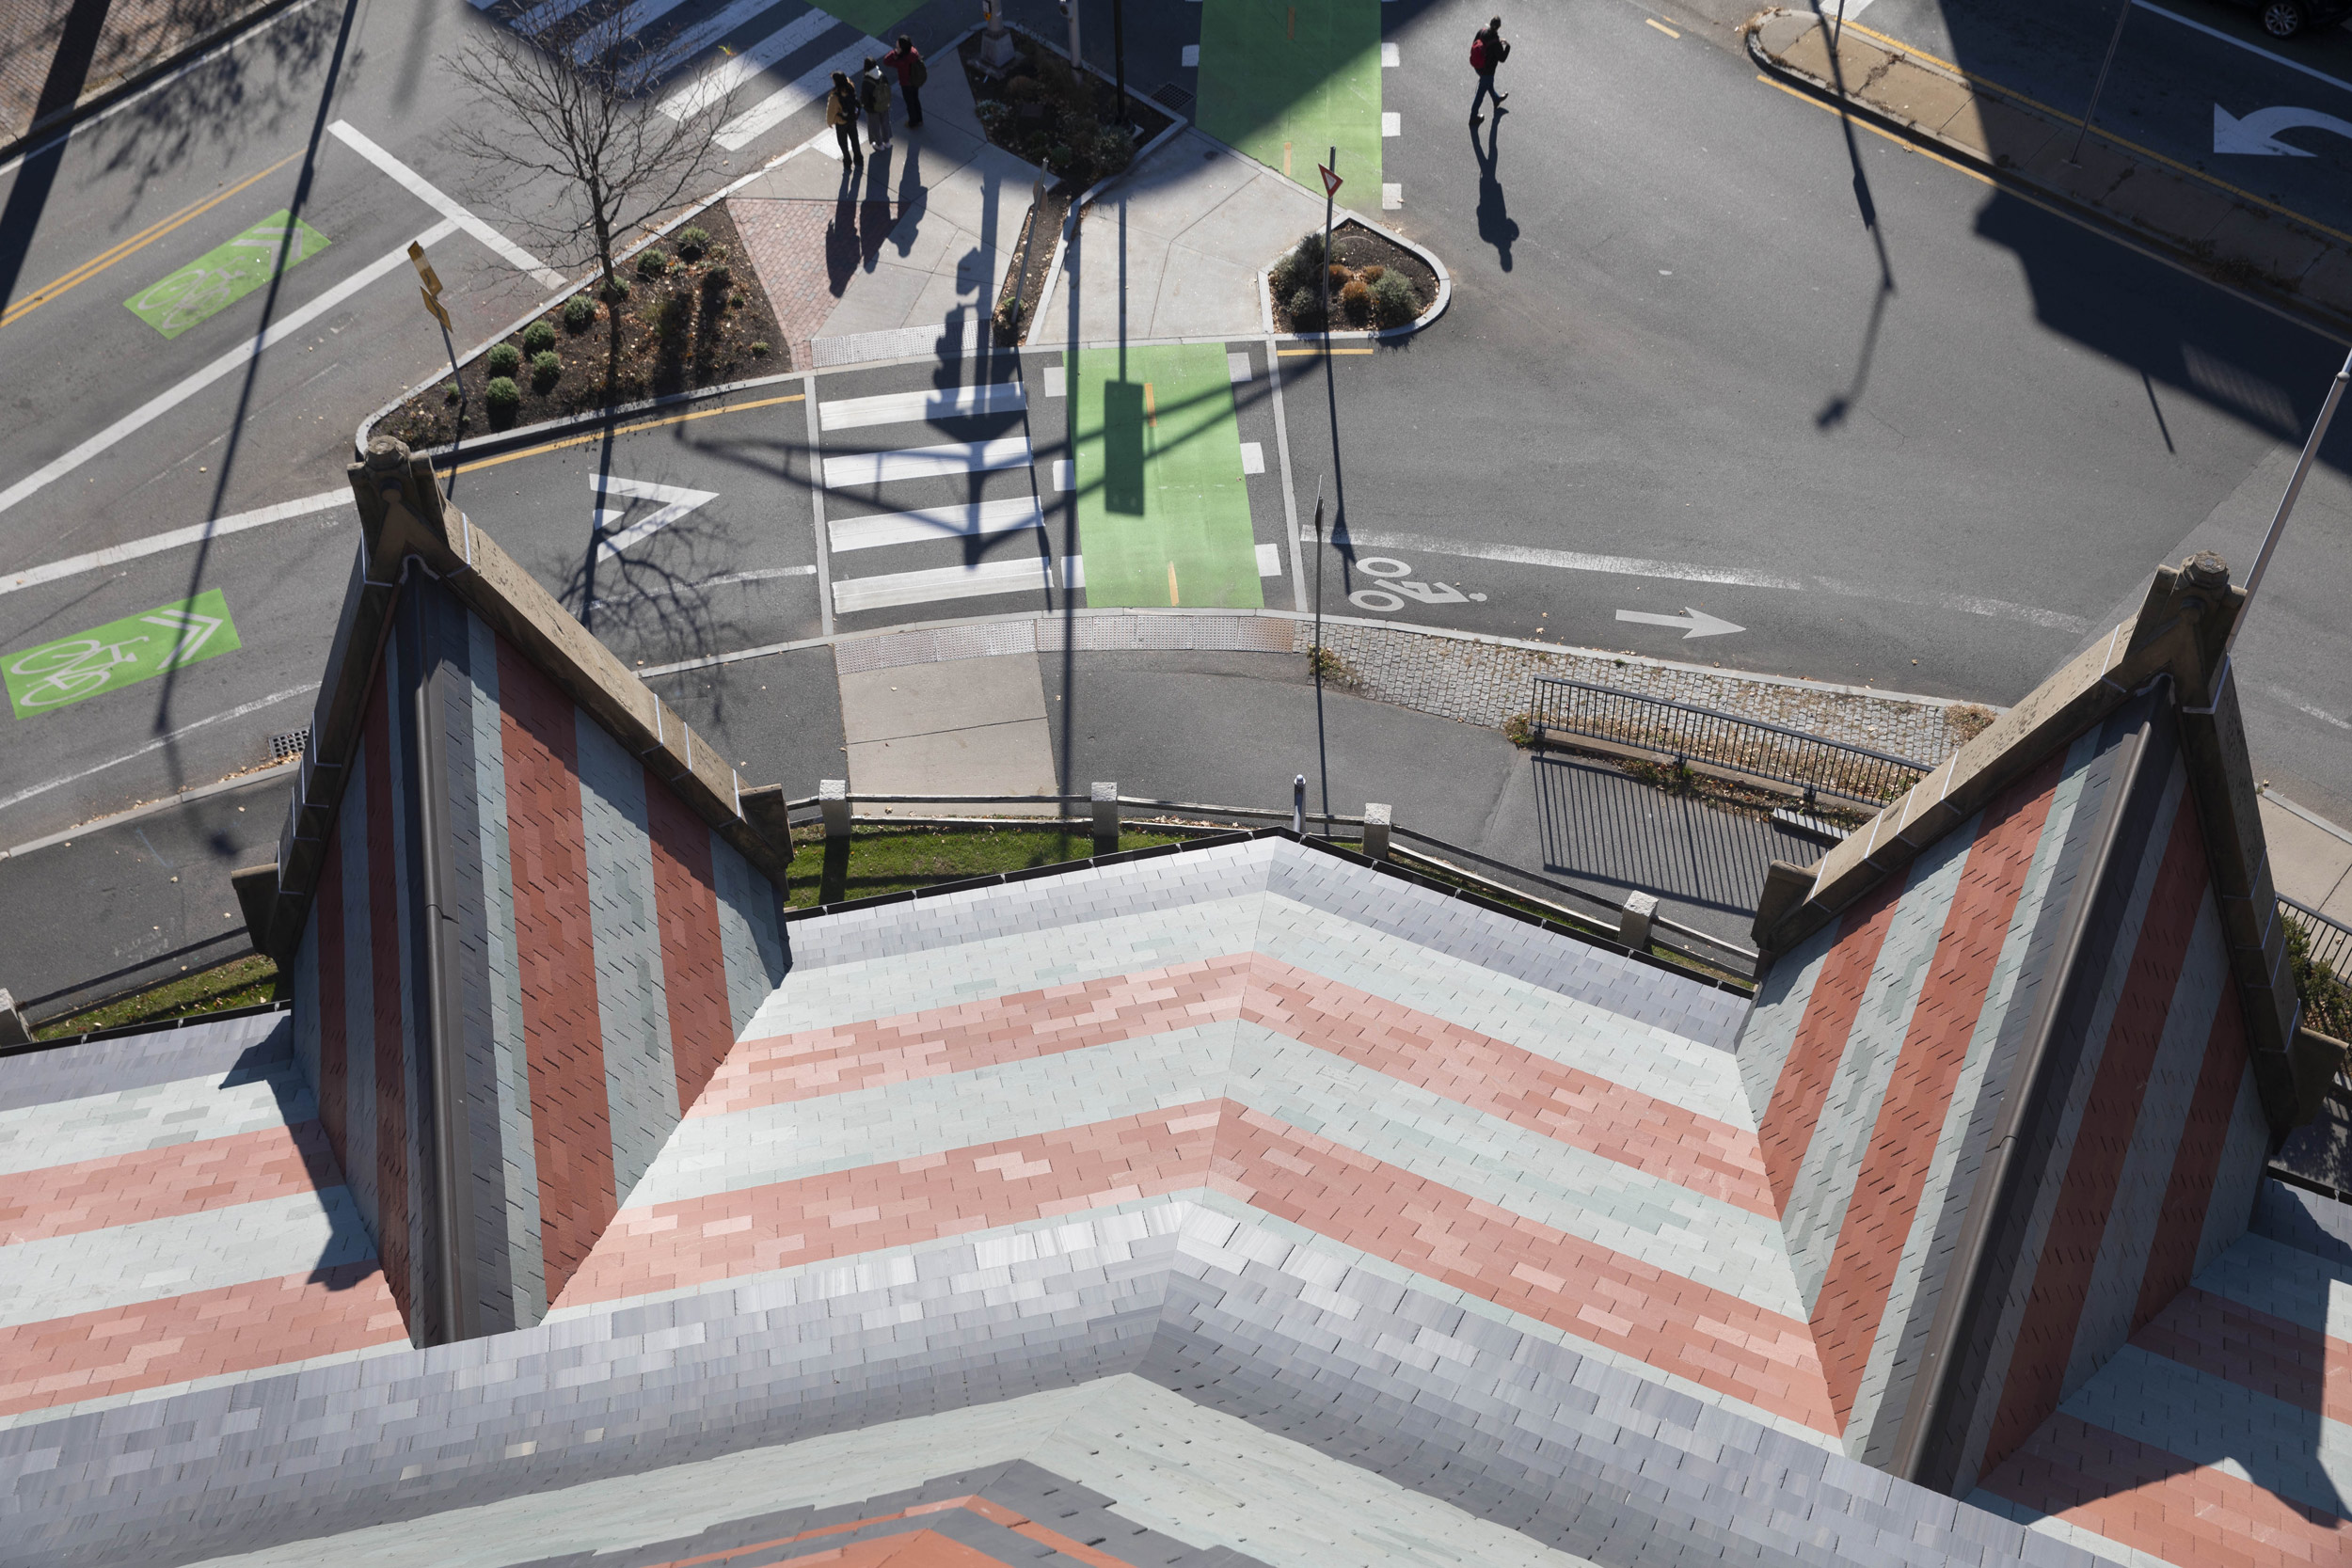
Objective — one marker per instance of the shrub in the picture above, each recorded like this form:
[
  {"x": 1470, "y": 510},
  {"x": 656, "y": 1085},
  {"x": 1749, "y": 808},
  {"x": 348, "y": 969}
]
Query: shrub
[
  {"x": 580, "y": 312},
  {"x": 652, "y": 262},
  {"x": 1306, "y": 310},
  {"x": 1114, "y": 149},
  {"x": 544, "y": 368},
  {"x": 538, "y": 338},
  {"x": 449, "y": 391},
  {"x": 1375, "y": 272},
  {"x": 1393, "y": 301},
  {"x": 1355, "y": 303},
  {"x": 502, "y": 396},
  {"x": 1023, "y": 89},
  {"x": 693, "y": 241},
  {"x": 1307, "y": 254},
  {"x": 993, "y": 115},
  {"x": 503, "y": 358},
  {"x": 1340, "y": 277},
  {"x": 1059, "y": 158},
  {"x": 616, "y": 288},
  {"x": 666, "y": 317},
  {"x": 718, "y": 280},
  {"x": 759, "y": 351}
]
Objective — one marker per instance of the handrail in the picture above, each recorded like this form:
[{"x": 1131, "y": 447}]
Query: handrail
[{"x": 1726, "y": 744}]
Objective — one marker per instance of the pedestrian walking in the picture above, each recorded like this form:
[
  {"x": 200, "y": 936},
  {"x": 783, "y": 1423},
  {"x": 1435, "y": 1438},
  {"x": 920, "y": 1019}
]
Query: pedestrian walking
[
  {"x": 1488, "y": 51},
  {"x": 873, "y": 86},
  {"x": 841, "y": 114},
  {"x": 906, "y": 61}
]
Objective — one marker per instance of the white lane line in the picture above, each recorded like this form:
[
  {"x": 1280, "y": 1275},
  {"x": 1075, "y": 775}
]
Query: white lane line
[
  {"x": 764, "y": 574},
  {"x": 634, "y": 16},
  {"x": 786, "y": 101},
  {"x": 1684, "y": 571},
  {"x": 195, "y": 533},
  {"x": 157, "y": 745},
  {"x": 1191, "y": 56},
  {"x": 163, "y": 402},
  {"x": 1253, "y": 457},
  {"x": 679, "y": 503},
  {"x": 155, "y": 808},
  {"x": 955, "y": 458},
  {"x": 1392, "y": 123},
  {"x": 2215, "y": 32},
  {"x": 417, "y": 185},
  {"x": 996, "y": 397},
  {"x": 736, "y": 70},
  {"x": 1269, "y": 561},
  {"x": 1026, "y": 576},
  {"x": 1057, "y": 381},
  {"x": 1388, "y": 57},
  {"x": 701, "y": 35},
  {"x": 981, "y": 520}
]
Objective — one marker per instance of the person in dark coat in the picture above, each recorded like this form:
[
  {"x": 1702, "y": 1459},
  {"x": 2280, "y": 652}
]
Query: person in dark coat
[
  {"x": 873, "y": 89},
  {"x": 841, "y": 114},
  {"x": 906, "y": 61},
  {"x": 1487, "y": 52}
]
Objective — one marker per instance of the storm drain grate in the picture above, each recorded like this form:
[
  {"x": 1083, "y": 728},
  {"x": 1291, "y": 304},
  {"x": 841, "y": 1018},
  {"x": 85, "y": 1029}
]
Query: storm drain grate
[
  {"x": 285, "y": 748},
  {"x": 1173, "y": 97}
]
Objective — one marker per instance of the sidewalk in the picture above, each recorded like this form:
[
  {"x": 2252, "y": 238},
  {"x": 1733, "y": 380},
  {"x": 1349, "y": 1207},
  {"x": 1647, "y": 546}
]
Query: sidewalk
[
  {"x": 2232, "y": 235},
  {"x": 49, "y": 64}
]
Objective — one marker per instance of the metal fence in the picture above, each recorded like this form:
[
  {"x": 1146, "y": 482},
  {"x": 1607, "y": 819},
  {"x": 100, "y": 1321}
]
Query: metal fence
[
  {"x": 2328, "y": 941},
  {"x": 1722, "y": 744},
  {"x": 2323, "y": 980}
]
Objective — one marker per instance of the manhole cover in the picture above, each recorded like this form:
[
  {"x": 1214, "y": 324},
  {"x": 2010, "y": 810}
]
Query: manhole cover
[{"x": 1172, "y": 97}]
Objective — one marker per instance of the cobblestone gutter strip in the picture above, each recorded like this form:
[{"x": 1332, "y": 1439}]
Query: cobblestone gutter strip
[
  {"x": 1487, "y": 681},
  {"x": 137, "y": 39},
  {"x": 2207, "y": 225}
]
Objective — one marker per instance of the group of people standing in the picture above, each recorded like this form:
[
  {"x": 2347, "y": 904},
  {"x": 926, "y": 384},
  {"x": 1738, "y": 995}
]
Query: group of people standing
[{"x": 870, "y": 95}]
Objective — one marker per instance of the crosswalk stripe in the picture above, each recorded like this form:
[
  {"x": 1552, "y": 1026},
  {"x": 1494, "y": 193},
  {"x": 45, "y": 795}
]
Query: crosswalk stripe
[
  {"x": 545, "y": 15},
  {"x": 736, "y": 70},
  {"x": 996, "y": 397},
  {"x": 785, "y": 103},
  {"x": 1030, "y": 574},
  {"x": 955, "y": 458},
  {"x": 978, "y": 521},
  {"x": 634, "y": 17},
  {"x": 701, "y": 35}
]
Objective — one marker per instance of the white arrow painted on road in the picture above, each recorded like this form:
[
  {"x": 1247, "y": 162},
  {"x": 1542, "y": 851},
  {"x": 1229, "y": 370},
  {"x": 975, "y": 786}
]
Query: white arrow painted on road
[
  {"x": 2256, "y": 135},
  {"x": 677, "y": 500},
  {"x": 1695, "y": 622}
]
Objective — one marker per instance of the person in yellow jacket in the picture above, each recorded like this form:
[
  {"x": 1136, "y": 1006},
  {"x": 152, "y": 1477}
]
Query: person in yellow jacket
[{"x": 841, "y": 114}]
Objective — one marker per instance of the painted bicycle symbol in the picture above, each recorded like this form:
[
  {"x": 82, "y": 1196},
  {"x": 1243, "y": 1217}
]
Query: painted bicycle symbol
[
  {"x": 79, "y": 666},
  {"x": 1397, "y": 587}
]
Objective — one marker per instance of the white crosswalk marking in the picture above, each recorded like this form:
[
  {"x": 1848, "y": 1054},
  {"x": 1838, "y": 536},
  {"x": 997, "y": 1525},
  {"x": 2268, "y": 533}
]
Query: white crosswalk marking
[
  {"x": 701, "y": 35},
  {"x": 956, "y": 457},
  {"x": 1027, "y": 575},
  {"x": 545, "y": 15},
  {"x": 679, "y": 503},
  {"x": 978, "y": 521},
  {"x": 634, "y": 17},
  {"x": 946, "y": 402},
  {"x": 736, "y": 70},
  {"x": 785, "y": 103}
]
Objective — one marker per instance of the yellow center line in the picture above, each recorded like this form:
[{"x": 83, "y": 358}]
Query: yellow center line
[
  {"x": 2099, "y": 130},
  {"x": 105, "y": 259},
  {"x": 622, "y": 430},
  {"x": 1171, "y": 583},
  {"x": 1292, "y": 353},
  {"x": 1662, "y": 26}
]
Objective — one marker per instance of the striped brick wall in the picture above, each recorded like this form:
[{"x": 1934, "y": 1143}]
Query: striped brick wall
[
  {"x": 1883, "y": 1057},
  {"x": 610, "y": 946}
]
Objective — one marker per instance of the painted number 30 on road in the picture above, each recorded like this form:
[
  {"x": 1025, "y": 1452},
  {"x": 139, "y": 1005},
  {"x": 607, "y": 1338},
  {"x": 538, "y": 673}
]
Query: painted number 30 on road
[{"x": 1396, "y": 586}]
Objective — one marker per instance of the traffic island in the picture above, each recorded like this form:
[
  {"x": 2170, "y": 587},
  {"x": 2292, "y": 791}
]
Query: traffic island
[
  {"x": 694, "y": 316},
  {"x": 1376, "y": 280}
]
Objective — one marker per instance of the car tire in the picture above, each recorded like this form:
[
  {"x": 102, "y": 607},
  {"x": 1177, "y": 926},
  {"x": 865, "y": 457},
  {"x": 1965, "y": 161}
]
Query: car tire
[{"x": 2283, "y": 19}]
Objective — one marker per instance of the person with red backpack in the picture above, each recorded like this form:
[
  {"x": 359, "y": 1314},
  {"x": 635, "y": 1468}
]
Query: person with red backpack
[
  {"x": 906, "y": 61},
  {"x": 1488, "y": 51}
]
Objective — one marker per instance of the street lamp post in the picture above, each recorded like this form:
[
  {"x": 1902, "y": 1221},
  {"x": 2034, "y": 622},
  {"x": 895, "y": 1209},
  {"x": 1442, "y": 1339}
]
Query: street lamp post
[
  {"x": 2124, "y": 14},
  {"x": 2286, "y": 503},
  {"x": 1119, "y": 53}
]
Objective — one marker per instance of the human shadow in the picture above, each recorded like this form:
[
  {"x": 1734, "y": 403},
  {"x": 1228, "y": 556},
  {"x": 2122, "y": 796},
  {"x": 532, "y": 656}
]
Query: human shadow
[{"x": 1494, "y": 224}]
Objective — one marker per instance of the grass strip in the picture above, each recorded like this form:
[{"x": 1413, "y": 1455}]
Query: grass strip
[
  {"x": 246, "y": 982},
  {"x": 897, "y": 859}
]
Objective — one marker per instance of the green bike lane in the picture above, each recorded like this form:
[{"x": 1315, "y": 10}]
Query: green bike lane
[{"x": 1286, "y": 80}]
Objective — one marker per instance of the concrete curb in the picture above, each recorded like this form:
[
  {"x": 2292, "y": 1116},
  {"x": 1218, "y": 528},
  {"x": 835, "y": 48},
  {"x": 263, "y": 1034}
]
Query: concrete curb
[
  {"x": 1384, "y": 334},
  {"x": 152, "y": 808},
  {"x": 2170, "y": 248},
  {"x": 90, "y": 106}
]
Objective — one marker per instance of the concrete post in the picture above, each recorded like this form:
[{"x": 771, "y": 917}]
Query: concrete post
[
  {"x": 1634, "y": 924},
  {"x": 1299, "y": 806},
  {"x": 1377, "y": 818},
  {"x": 1105, "y": 805},
  {"x": 13, "y": 1029},
  {"x": 832, "y": 802}
]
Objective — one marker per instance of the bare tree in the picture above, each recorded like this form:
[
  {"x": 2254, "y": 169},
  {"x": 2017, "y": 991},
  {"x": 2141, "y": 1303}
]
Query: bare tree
[{"x": 569, "y": 120}]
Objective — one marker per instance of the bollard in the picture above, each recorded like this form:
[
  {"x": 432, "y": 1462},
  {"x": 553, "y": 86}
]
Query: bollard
[
  {"x": 1377, "y": 818},
  {"x": 13, "y": 1029},
  {"x": 1634, "y": 924},
  {"x": 1299, "y": 806},
  {"x": 1105, "y": 805},
  {"x": 832, "y": 803}
]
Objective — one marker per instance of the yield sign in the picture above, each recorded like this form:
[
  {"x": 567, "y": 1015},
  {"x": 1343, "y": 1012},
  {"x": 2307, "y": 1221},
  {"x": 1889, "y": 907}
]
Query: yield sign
[
  {"x": 676, "y": 503},
  {"x": 1330, "y": 180}
]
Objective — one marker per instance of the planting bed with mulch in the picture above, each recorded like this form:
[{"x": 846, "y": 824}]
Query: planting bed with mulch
[
  {"x": 1039, "y": 231},
  {"x": 689, "y": 321},
  {"x": 1361, "y": 264},
  {"x": 1064, "y": 122}
]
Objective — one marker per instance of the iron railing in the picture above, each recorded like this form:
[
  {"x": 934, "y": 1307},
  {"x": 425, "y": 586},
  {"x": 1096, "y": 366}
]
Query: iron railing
[
  {"x": 2327, "y": 941},
  {"x": 1745, "y": 751},
  {"x": 2323, "y": 978}
]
